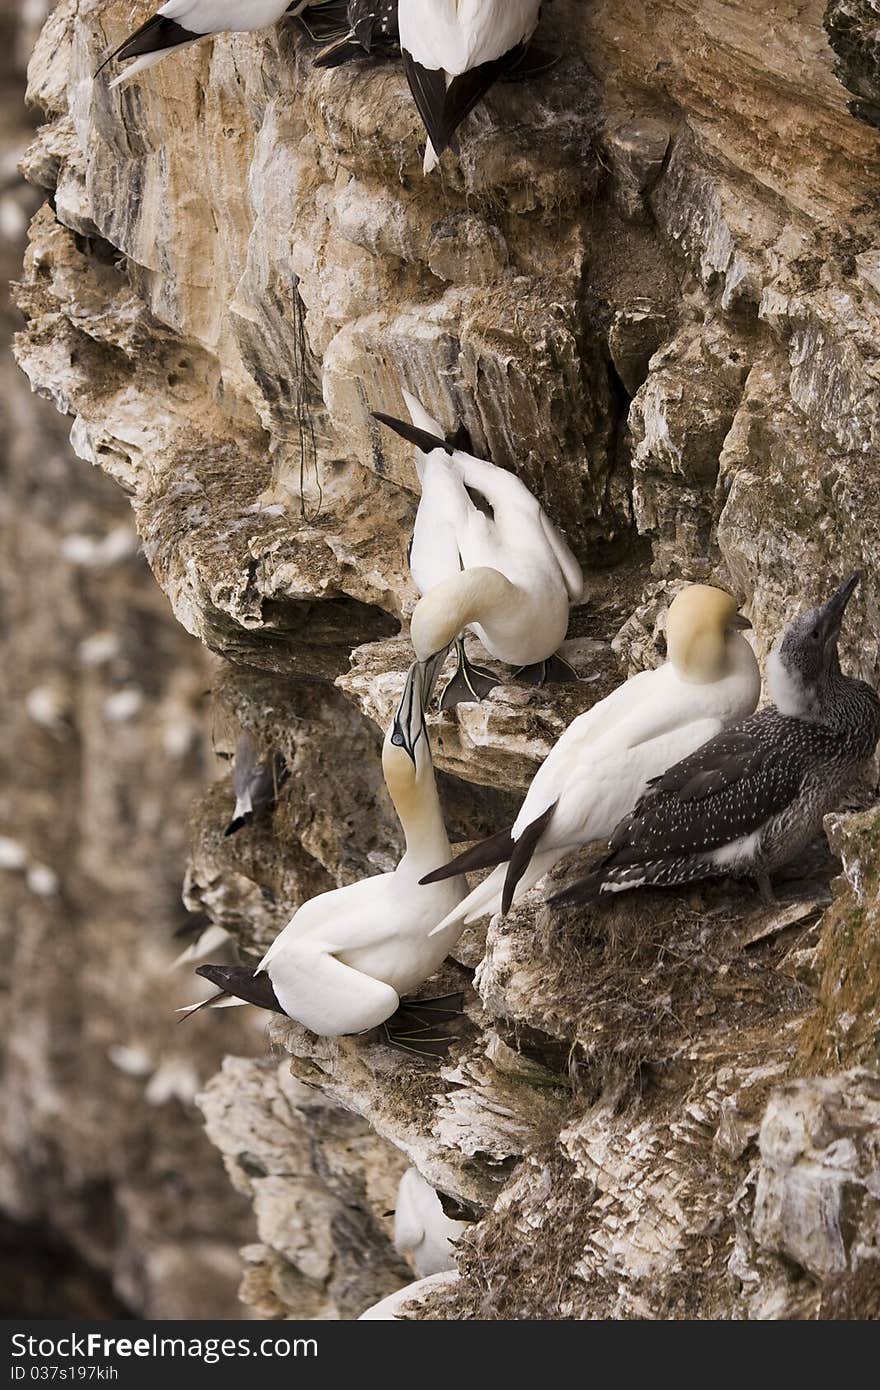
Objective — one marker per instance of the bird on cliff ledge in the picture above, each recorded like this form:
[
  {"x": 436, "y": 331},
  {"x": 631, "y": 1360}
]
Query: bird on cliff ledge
[
  {"x": 751, "y": 799},
  {"x": 346, "y": 958},
  {"x": 454, "y": 51},
  {"x": 181, "y": 22},
  {"x": 605, "y": 759},
  {"x": 256, "y": 783},
  {"x": 423, "y": 1232},
  {"x": 369, "y": 28},
  {"x": 486, "y": 556}
]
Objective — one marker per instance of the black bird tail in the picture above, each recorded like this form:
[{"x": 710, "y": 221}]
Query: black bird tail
[
  {"x": 583, "y": 890},
  {"x": 242, "y": 983},
  {"x": 155, "y": 35},
  {"x": 497, "y": 849},
  {"x": 238, "y": 824},
  {"x": 422, "y": 439},
  {"x": 522, "y": 854}
]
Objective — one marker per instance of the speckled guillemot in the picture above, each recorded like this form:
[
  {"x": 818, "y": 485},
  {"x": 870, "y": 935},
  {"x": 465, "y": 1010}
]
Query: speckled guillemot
[
  {"x": 750, "y": 800},
  {"x": 370, "y": 27}
]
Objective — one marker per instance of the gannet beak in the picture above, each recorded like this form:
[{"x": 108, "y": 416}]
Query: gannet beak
[
  {"x": 740, "y": 623},
  {"x": 409, "y": 721},
  {"x": 830, "y": 616}
]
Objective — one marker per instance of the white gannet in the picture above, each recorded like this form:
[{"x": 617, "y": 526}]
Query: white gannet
[
  {"x": 751, "y": 799},
  {"x": 454, "y": 51},
  {"x": 423, "y": 1233},
  {"x": 484, "y": 556},
  {"x": 178, "y": 23},
  {"x": 388, "y": 1308},
  {"x": 256, "y": 783},
  {"x": 605, "y": 759},
  {"x": 346, "y": 958}
]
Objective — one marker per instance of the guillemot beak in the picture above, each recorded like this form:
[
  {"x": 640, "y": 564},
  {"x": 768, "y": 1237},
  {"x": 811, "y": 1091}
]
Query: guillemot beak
[
  {"x": 740, "y": 623},
  {"x": 409, "y": 721},
  {"x": 831, "y": 614}
]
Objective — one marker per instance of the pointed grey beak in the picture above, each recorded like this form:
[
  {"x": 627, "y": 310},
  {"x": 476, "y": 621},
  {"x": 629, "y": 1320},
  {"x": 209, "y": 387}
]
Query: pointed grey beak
[
  {"x": 831, "y": 614},
  {"x": 740, "y": 623},
  {"x": 409, "y": 721}
]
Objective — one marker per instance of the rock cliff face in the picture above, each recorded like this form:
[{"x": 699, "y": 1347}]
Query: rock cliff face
[{"x": 651, "y": 283}]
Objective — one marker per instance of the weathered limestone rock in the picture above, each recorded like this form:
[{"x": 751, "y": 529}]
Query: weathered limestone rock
[{"x": 649, "y": 285}]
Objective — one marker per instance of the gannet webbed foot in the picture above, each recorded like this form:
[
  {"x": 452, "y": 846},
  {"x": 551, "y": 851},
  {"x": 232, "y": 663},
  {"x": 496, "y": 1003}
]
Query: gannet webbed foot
[
  {"x": 419, "y": 1026},
  {"x": 554, "y": 671},
  {"x": 535, "y": 61},
  {"x": 469, "y": 685}
]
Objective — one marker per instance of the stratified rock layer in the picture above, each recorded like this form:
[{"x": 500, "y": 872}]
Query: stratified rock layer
[{"x": 651, "y": 284}]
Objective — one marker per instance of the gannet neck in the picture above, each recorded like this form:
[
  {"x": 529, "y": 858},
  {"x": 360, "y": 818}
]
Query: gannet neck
[
  {"x": 472, "y": 596},
  {"x": 417, "y": 803}
]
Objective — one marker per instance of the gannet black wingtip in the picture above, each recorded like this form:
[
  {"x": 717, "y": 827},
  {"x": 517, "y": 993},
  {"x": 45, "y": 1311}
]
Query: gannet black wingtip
[
  {"x": 242, "y": 983},
  {"x": 422, "y": 439}
]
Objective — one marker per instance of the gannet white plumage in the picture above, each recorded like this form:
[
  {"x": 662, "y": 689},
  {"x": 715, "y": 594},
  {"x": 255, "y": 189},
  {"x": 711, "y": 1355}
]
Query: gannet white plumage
[
  {"x": 603, "y": 762},
  {"x": 423, "y": 1233},
  {"x": 178, "y": 23},
  {"x": 387, "y": 1309},
  {"x": 749, "y": 800},
  {"x": 454, "y": 51},
  {"x": 346, "y": 958},
  {"x": 485, "y": 556}
]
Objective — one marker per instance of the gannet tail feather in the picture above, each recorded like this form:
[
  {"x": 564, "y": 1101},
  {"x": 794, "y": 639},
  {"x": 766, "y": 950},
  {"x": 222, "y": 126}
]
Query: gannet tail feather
[
  {"x": 241, "y": 982},
  {"x": 495, "y": 850},
  {"x": 156, "y": 35},
  {"x": 521, "y": 858}
]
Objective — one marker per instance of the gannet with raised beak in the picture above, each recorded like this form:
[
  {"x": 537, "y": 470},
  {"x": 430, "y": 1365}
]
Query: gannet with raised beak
[
  {"x": 605, "y": 759},
  {"x": 346, "y": 958},
  {"x": 484, "y": 556},
  {"x": 178, "y": 23},
  {"x": 751, "y": 799},
  {"x": 454, "y": 51}
]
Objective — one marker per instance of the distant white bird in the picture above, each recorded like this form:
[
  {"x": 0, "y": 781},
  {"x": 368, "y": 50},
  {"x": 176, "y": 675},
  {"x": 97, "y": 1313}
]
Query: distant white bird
[
  {"x": 603, "y": 762},
  {"x": 256, "y": 782},
  {"x": 454, "y": 51},
  {"x": 484, "y": 556},
  {"x": 423, "y": 1233},
  {"x": 346, "y": 958},
  {"x": 180, "y": 22},
  {"x": 388, "y": 1308}
]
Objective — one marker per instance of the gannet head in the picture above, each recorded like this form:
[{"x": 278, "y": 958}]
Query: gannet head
[
  {"x": 806, "y": 655},
  {"x": 407, "y": 750},
  {"x": 701, "y": 625},
  {"x": 448, "y": 608}
]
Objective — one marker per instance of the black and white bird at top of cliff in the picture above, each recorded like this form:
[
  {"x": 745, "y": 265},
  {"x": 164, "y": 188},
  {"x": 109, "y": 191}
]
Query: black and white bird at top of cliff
[
  {"x": 454, "y": 51},
  {"x": 751, "y": 799},
  {"x": 367, "y": 28},
  {"x": 181, "y": 22}
]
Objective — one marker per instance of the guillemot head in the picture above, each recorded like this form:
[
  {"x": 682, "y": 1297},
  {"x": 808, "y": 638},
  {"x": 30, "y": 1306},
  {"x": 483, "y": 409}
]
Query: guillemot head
[
  {"x": 800, "y": 665},
  {"x": 701, "y": 624}
]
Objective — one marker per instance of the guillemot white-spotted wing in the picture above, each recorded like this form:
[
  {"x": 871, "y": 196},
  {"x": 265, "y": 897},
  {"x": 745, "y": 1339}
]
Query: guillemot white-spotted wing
[
  {"x": 347, "y": 958},
  {"x": 484, "y": 556},
  {"x": 604, "y": 761},
  {"x": 750, "y": 800},
  {"x": 181, "y": 22},
  {"x": 370, "y": 28},
  {"x": 454, "y": 51}
]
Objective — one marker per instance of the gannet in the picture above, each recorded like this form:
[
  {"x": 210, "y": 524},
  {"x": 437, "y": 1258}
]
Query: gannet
[
  {"x": 605, "y": 759},
  {"x": 454, "y": 51},
  {"x": 346, "y": 958},
  {"x": 749, "y": 800},
  {"x": 484, "y": 556},
  {"x": 370, "y": 27},
  {"x": 423, "y": 1233},
  {"x": 180, "y": 22},
  {"x": 388, "y": 1308},
  {"x": 256, "y": 783}
]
